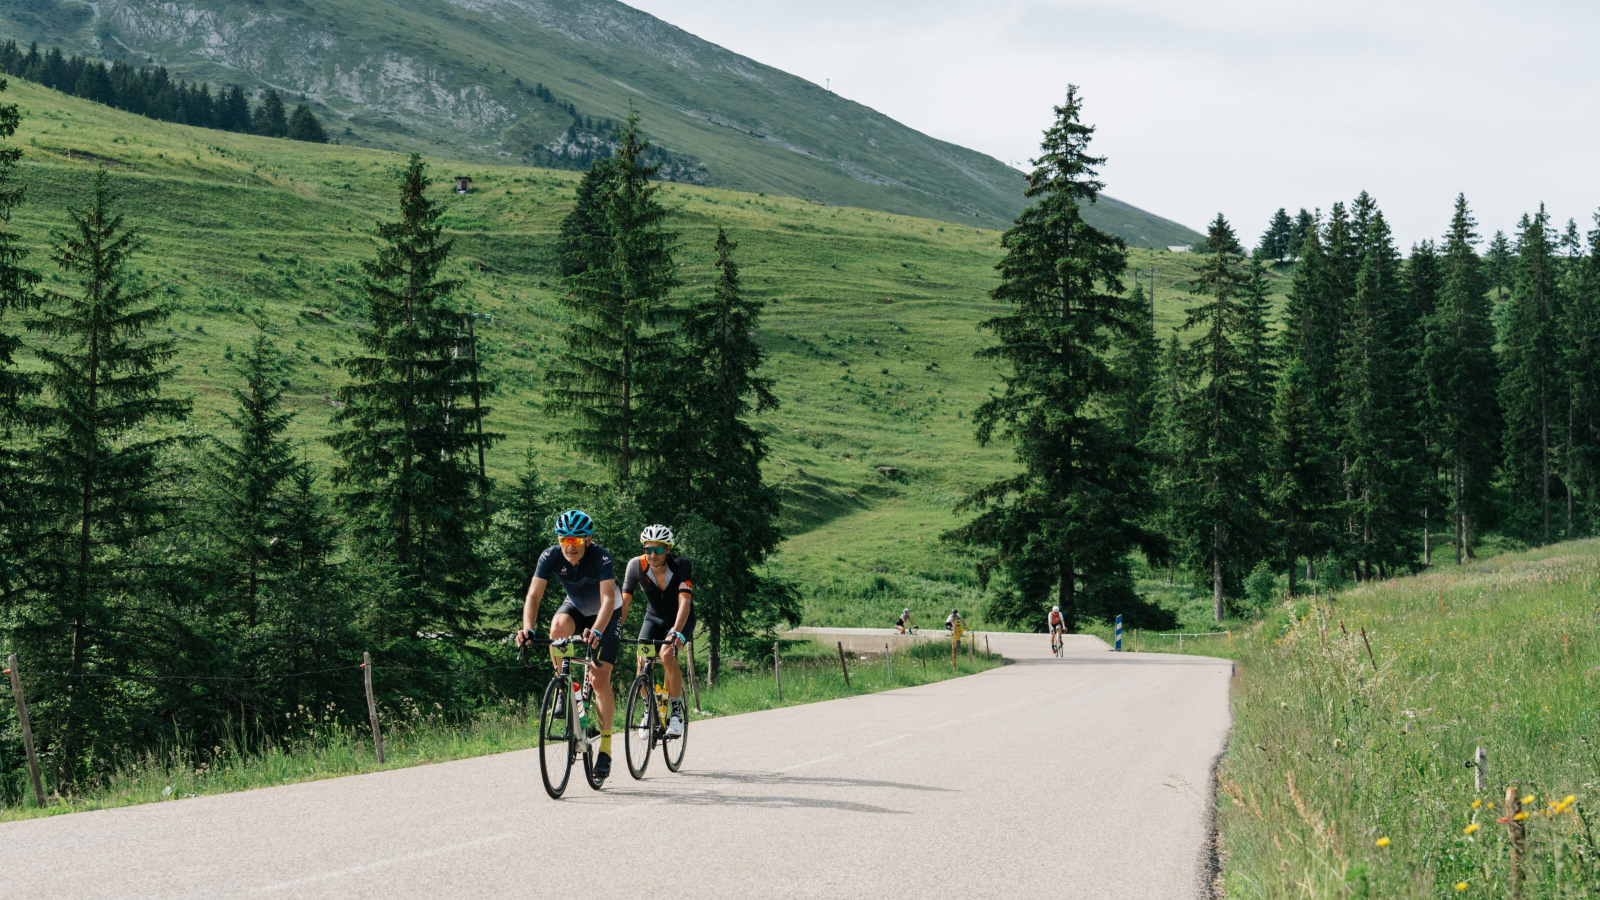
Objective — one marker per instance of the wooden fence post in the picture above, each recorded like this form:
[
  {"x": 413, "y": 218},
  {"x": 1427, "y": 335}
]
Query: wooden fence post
[
  {"x": 1369, "y": 649},
  {"x": 1518, "y": 834},
  {"x": 972, "y": 648},
  {"x": 922, "y": 655},
  {"x": 842, "y": 667},
  {"x": 777, "y": 675},
  {"x": 955, "y": 643},
  {"x": 1480, "y": 762},
  {"x": 27, "y": 727},
  {"x": 693, "y": 685},
  {"x": 372, "y": 706}
]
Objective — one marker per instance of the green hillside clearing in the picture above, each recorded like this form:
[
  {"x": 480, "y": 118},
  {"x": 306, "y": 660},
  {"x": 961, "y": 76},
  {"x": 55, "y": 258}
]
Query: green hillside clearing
[{"x": 870, "y": 323}]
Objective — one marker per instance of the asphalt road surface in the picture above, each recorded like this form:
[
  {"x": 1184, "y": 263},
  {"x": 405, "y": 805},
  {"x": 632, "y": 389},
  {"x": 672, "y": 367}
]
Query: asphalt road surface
[{"x": 1085, "y": 777}]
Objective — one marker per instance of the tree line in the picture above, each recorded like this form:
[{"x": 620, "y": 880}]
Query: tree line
[
  {"x": 151, "y": 92},
  {"x": 166, "y": 591},
  {"x": 1401, "y": 405}
]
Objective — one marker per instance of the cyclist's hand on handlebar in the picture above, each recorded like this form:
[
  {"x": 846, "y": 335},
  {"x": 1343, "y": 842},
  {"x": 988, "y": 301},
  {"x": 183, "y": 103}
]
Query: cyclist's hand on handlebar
[
  {"x": 678, "y": 640},
  {"x": 522, "y": 637},
  {"x": 592, "y": 637}
]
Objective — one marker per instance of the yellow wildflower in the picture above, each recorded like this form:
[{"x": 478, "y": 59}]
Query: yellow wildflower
[
  {"x": 1477, "y": 803},
  {"x": 1461, "y": 885},
  {"x": 1520, "y": 816},
  {"x": 1383, "y": 842},
  {"x": 1528, "y": 799},
  {"x": 1471, "y": 828}
]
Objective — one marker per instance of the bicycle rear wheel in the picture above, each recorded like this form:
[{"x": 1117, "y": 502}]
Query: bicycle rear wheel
[
  {"x": 556, "y": 747},
  {"x": 639, "y": 725},
  {"x": 672, "y": 747}
]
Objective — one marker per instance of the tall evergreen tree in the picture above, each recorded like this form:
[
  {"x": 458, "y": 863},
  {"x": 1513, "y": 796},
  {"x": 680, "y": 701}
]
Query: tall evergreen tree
[
  {"x": 583, "y": 231},
  {"x": 1299, "y": 479},
  {"x": 1275, "y": 240},
  {"x": 99, "y": 473},
  {"x": 270, "y": 119},
  {"x": 724, "y": 488},
  {"x": 1530, "y": 387},
  {"x": 16, "y": 293},
  {"x": 305, "y": 126},
  {"x": 1072, "y": 514},
  {"x": 1376, "y": 428},
  {"x": 1458, "y": 363},
  {"x": 1582, "y": 363},
  {"x": 1421, "y": 284},
  {"x": 408, "y": 437},
  {"x": 619, "y": 299},
  {"x": 1498, "y": 265},
  {"x": 248, "y": 481},
  {"x": 1220, "y": 525},
  {"x": 1305, "y": 224}
]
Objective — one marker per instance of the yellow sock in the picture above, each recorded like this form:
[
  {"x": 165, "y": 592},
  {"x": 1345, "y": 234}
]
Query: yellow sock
[{"x": 605, "y": 742}]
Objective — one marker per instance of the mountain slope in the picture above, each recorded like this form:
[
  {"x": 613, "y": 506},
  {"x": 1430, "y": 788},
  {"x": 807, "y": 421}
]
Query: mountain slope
[{"x": 462, "y": 78}]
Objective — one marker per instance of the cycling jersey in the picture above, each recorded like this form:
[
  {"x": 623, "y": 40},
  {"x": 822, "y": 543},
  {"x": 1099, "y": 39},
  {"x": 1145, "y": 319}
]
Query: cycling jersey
[
  {"x": 582, "y": 579},
  {"x": 1054, "y": 621},
  {"x": 661, "y": 599},
  {"x": 903, "y": 621}
]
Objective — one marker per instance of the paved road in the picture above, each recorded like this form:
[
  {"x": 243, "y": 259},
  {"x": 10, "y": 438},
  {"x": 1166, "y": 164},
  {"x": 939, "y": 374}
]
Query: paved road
[{"x": 1087, "y": 777}]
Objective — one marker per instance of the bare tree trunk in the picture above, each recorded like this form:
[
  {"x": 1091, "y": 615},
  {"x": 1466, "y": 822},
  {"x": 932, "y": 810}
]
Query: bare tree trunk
[{"x": 1216, "y": 571}]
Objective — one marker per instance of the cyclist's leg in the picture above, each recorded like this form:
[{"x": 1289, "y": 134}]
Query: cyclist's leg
[
  {"x": 669, "y": 661},
  {"x": 561, "y": 625},
  {"x": 600, "y": 672}
]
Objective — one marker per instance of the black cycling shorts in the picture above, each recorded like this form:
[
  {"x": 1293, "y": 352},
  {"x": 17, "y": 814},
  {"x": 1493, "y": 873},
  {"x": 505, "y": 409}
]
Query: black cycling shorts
[
  {"x": 610, "y": 639},
  {"x": 654, "y": 629}
]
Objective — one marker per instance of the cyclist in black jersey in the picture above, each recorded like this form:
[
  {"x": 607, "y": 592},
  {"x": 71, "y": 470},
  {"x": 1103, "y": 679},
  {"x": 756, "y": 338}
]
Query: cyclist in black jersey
[
  {"x": 589, "y": 579},
  {"x": 667, "y": 580},
  {"x": 903, "y": 624}
]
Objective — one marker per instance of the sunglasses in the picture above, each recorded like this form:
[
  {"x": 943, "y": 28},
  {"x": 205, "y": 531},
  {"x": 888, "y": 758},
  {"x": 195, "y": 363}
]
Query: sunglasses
[
  {"x": 571, "y": 541},
  {"x": 655, "y": 551}
]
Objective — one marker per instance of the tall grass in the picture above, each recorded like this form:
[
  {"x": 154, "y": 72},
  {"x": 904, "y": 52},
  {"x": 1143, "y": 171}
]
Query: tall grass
[
  {"x": 413, "y": 737},
  {"x": 1348, "y": 773}
]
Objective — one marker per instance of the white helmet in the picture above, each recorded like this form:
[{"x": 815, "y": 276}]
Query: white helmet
[
  {"x": 906, "y": 610},
  {"x": 656, "y": 534},
  {"x": 1055, "y": 609}
]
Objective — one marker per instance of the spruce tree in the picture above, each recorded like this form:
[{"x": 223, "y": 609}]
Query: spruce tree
[
  {"x": 270, "y": 119},
  {"x": 583, "y": 231},
  {"x": 724, "y": 488},
  {"x": 1498, "y": 265},
  {"x": 602, "y": 385},
  {"x": 1530, "y": 387},
  {"x": 1071, "y": 515},
  {"x": 1375, "y": 426},
  {"x": 99, "y": 472},
  {"x": 17, "y": 285},
  {"x": 408, "y": 435},
  {"x": 1459, "y": 365},
  {"x": 1218, "y": 497},
  {"x": 1299, "y": 481},
  {"x": 1276, "y": 239},
  {"x": 1305, "y": 224},
  {"x": 1421, "y": 284},
  {"x": 305, "y": 126},
  {"x": 247, "y": 482},
  {"x": 1582, "y": 363}
]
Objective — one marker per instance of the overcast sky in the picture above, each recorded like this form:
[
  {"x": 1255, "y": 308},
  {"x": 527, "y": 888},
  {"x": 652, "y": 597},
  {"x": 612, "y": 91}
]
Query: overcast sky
[{"x": 1232, "y": 107}]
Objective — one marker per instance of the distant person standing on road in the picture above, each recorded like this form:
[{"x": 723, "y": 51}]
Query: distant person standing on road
[{"x": 954, "y": 620}]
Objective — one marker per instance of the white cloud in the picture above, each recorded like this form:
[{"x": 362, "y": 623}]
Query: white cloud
[{"x": 1239, "y": 107}]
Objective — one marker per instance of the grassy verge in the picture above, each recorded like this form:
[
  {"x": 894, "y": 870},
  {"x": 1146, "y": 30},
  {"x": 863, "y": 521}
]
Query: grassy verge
[
  {"x": 1348, "y": 773},
  {"x": 810, "y": 674}
]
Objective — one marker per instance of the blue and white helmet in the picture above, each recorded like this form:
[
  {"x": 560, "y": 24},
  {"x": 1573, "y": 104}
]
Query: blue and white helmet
[{"x": 574, "y": 523}]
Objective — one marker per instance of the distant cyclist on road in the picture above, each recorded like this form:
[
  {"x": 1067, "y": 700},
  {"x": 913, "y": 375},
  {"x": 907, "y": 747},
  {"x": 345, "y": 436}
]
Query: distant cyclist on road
[
  {"x": 1057, "y": 626},
  {"x": 668, "y": 583},
  {"x": 954, "y": 620},
  {"x": 904, "y": 625},
  {"x": 590, "y": 580}
]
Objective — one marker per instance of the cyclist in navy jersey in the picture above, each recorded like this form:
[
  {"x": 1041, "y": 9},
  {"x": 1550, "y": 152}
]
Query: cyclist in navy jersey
[
  {"x": 592, "y": 602},
  {"x": 667, "y": 580}
]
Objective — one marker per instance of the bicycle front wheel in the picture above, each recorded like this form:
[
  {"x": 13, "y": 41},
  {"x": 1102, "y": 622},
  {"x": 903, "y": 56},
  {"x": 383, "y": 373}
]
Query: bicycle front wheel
[
  {"x": 672, "y": 747},
  {"x": 556, "y": 746},
  {"x": 639, "y": 725}
]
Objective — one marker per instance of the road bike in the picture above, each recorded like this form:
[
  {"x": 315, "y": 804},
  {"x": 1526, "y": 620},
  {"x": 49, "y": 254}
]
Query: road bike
[
  {"x": 1058, "y": 644},
  {"x": 575, "y": 732},
  {"x": 644, "y": 725}
]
